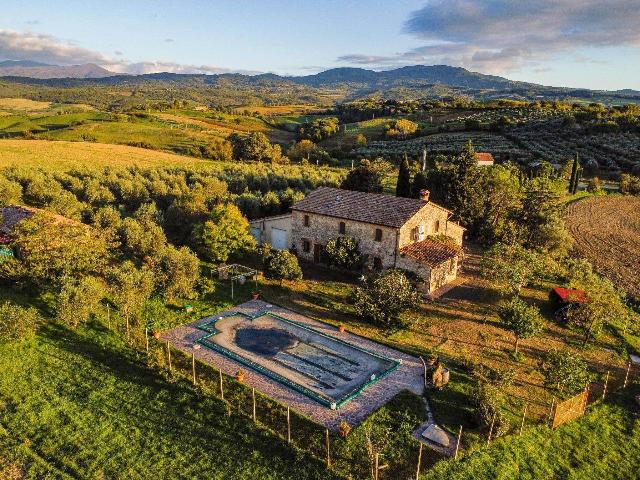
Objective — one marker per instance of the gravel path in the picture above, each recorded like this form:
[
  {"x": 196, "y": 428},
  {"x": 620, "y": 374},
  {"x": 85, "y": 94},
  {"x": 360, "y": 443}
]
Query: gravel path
[{"x": 409, "y": 376}]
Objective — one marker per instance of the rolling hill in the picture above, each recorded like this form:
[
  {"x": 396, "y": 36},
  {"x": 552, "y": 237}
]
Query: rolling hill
[{"x": 25, "y": 68}]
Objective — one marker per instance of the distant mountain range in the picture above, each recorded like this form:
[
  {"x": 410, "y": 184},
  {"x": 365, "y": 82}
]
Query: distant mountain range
[
  {"x": 344, "y": 83},
  {"x": 26, "y": 68}
]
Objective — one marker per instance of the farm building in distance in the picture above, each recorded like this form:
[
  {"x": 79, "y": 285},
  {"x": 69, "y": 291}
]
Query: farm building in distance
[
  {"x": 485, "y": 159},
  {"x": 392, "y": 232}
]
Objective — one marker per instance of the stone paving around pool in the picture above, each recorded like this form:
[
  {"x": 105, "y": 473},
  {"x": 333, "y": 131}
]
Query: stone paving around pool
[{"x": 407, "y": 376}]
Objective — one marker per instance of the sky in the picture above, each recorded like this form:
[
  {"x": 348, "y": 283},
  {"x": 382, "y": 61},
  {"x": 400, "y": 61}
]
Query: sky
[{"x": 574, "y": 43}]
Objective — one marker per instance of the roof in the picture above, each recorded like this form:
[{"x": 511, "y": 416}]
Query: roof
[
  {"x": 376, "y": 208},
  {"x": 430, "y": 252},
  {"x": 570, "y": 295},
  {"x": 484, "y": 157}
]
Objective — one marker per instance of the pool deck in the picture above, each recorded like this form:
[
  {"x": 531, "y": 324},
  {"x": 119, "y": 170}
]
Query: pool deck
[{"x": 409, "y": 376}]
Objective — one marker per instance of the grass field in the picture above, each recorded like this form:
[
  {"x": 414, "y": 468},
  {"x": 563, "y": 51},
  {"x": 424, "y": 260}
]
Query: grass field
[
  {"x": 603, "y": 444},
  {"x": 66, "y": 155},
  {"x": 80, "y": 404},
  {"x": 606, "y": 231},
  {"x": 22, "y": 104}
]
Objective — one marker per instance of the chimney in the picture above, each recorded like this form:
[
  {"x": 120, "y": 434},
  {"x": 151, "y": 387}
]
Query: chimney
[{"x": 424, "y": 195}]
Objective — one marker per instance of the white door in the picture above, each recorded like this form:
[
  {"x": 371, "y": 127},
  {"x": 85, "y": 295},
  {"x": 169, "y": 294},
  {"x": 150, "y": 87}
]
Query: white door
[
  {"x": 279, "y": 239},
  {"x": 256, "y": 233}
]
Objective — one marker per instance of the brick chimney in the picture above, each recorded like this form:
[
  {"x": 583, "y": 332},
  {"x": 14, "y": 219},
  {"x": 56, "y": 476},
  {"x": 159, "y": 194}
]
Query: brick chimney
[{"x": 424, "y": 195}]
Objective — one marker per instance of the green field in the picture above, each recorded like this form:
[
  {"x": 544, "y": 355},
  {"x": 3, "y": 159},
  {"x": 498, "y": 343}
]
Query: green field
[
  {"x": 80, "y": 404},
  {"x": 603, "y": 444}
]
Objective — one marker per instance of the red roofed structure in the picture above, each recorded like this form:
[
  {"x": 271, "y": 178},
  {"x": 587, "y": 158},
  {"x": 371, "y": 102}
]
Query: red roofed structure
[{"x": 568, "y": 295}]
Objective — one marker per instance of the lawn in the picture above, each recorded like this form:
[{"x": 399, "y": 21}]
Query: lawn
[
  {"x": 604, "y": 444},
  {"x": 81, "y": 404}
]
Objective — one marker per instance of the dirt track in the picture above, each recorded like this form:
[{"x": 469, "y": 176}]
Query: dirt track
[{"x": 606, "y": 231}]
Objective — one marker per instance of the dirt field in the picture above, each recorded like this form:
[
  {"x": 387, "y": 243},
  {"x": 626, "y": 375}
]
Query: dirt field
[{"x": 606, "y": 231}]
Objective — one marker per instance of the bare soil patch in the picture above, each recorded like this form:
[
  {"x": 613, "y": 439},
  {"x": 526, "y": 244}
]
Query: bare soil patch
[{"x": 606, "y": 231}]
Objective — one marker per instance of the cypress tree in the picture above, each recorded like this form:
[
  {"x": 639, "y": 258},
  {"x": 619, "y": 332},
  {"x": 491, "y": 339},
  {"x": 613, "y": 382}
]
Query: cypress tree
[
  {"x": 403, "y": 187},
  {"x": 573, "y": 180},
  {"x": 419, "y": 183}
]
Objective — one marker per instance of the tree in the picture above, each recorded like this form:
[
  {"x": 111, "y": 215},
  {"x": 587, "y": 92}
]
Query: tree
[
  {"x": 344, "y": 252},
  {"x": 522, "y": 319},
  {"x": 605, "y": 303},
  {"x": 486, "y": 399},
  {"x": 16, "y": 322},
  {"x": 401, "y": 128},
  {"x": 367, "y": 177},
  {"x": 302, "y": 150},
  {"x": 10, "y": 192},
  {"x": 130, "y": 289},
  {"x": 225, "y": 233},
  {"x": 78, "y": 300},
  {"x": 565, "y": 371},
  {"x": 51, "y": 248},
  {"x": 176, "y": 272},
  {"x": 419, "y": 183},
  {"x": 254, "y": 147},
  {"x": 383, "y": 298},
  {"x": 595, "y": 185},
  {"x": 509, "y": 267},
  {"x": 403, "y": 186},
  {"x": 575, "y": 175},
  {"x": 282, "y": 265}
]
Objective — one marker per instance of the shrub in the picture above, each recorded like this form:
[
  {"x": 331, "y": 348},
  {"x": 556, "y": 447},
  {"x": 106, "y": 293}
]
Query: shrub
[
  {"x": 565, "y": 372},
  {"x": 344, "y": 252},
  {"x": 16, "y": 322},
  {"x": 282, "y": 265},
  {"x": 383, "y": 298},
  {"x": 486, "y": 399}
]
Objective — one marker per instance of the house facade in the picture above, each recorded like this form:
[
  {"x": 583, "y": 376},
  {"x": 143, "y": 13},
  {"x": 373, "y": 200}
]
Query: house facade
[{"x": 392, "y": 232}]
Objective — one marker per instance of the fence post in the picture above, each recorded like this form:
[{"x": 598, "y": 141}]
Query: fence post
[
  {"x": 169, "y": 356},
  {"x": 524, "y": 414},
  {"x": 606, "y": 382},
  {"x": 221, "y": 389},
  {"x": 626, "y": 375},
  {"x": 550, "y": 419},
  {"x": 193, "y": 366},
  {"x": 288, "y": 426},
  {"x": 108, "y": 316},
  {"x": 146, "y": 338},
  {"x": 253, "y": 396},
  {"x": 419, "y": 461},
  {"x": 493, "y": 420},
  {"x": 455, "y": 456},
  {"x": 328, "y": 454},
  {"x": 377, "y": 463}
]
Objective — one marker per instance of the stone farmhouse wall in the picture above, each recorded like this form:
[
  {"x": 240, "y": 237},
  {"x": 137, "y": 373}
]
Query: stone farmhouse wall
[
  {"x": 435, "y": 277},
  {"x": 323, "y": 228},
  {"x": 434, "y": 221},
  {"x": 262, "y": 228}
]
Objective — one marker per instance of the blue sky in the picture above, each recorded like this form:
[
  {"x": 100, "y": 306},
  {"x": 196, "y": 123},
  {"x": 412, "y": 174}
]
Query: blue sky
[{"x": 581, "y": 43}]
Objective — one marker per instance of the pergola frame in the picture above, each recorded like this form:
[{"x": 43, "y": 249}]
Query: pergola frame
[{"x": 235, "y": 271}]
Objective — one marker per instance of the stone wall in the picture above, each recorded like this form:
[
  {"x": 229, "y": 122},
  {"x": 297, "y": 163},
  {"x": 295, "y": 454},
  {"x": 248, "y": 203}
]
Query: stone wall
[
  {"x": 323, "y": 228},
  {"x": 431, "y": 217},
  {"x": 433, "y": 278}
]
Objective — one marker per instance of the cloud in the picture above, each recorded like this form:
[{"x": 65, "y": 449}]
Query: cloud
[
  {"x": 497, "y": 36},
  {"x": 44, "y": 48},
  {"x": 168, "y": 40},
  {"x": 48, "y": 49}
]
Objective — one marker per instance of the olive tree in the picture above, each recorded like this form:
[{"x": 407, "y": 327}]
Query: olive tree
[
  {"x": 282, "y": 265},
  {"x": 383, "y": 298},
  {"x": 565, "y": 372},
  {"x": 522, "y": 319},
  {"x": 225, "y": 233},
  {"x": 344, "y": 252}
]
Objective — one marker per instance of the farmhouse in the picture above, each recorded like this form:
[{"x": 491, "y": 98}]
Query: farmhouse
[
  {"x": 392, "y": 232},
  {"x": 485, "y": 159}
]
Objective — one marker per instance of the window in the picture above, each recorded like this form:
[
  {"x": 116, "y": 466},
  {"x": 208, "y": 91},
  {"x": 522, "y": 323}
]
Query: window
[
  {"x": 377, "y": 263},
  {"x": 378, "y": 237},
  {"x": 306, "y": 220},
  {"x": 306, "y": 246},
  {"x": 342, "y": 228},
  {"x": 436, "y": 227}
]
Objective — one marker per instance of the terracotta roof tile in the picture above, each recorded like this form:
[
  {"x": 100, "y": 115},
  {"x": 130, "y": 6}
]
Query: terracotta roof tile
[
  {"x": 375, "y": 208},
  {"x": 430, "y": 252}
]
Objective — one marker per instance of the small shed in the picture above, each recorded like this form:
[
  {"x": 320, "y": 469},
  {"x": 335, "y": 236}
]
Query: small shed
[{"x": 566, "y": 296}]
